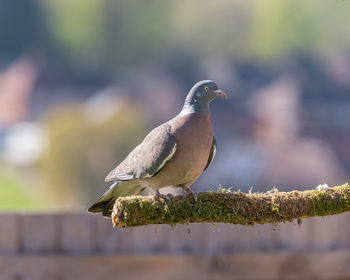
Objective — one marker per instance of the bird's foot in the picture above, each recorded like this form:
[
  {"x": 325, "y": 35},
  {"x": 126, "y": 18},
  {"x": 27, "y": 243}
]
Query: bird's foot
[
  {"x": 159, "y": 195},
  {"x": 170, "y": 196},
  {"x": 189, "y": 191}
]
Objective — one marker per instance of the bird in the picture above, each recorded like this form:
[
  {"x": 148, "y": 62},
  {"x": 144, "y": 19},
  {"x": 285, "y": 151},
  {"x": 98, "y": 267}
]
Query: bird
[{"x": 174, "y": 154}]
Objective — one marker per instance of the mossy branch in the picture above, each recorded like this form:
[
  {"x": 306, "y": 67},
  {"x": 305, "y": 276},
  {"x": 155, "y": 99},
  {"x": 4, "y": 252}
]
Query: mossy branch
[{"x": 232, "y": 207}]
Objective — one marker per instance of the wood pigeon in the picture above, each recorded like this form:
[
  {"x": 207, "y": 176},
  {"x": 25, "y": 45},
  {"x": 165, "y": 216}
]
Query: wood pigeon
[{"x": 173, "y": 154}]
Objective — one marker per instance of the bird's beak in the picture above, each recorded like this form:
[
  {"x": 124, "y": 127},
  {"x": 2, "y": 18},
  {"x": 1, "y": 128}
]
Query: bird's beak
[{"x": 220, "y": 93}]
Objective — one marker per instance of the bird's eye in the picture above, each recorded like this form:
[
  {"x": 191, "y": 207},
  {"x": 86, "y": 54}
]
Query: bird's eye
[{"x": 206, "y": 88}]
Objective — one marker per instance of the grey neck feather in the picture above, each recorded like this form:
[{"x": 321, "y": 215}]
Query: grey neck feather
[{"x": 194, "y": 105}]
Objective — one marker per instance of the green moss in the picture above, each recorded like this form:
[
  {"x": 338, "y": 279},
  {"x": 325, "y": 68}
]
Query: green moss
[
  {"x": 329, "y": 202},
  {"x": 227, "y": 206}
]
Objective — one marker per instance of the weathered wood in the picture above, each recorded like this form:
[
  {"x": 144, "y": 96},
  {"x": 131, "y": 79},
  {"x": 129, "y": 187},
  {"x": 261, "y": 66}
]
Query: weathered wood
[
  {"x": 76, "y": 233},
  {"x": 9, "y": 233},
  {"x": 232, "y": 207},
  {"x": 257, "y": 266},
  {"x": 38, "y": 233}
]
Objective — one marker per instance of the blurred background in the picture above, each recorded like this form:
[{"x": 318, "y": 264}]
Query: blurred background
[{"x": 82, "y": 82}]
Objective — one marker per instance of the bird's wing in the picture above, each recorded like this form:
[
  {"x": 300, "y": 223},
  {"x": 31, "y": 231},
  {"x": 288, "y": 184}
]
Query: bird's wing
[
  {"x": 105, "y": 203},
  {"x": 148, "y": 158},
  {"x": 211, "y": 154}
]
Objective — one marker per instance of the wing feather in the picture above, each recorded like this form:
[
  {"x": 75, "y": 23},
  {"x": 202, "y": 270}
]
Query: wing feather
[
  {"x": 211, "y": 154},
  {"x": 148, "y": 158}
]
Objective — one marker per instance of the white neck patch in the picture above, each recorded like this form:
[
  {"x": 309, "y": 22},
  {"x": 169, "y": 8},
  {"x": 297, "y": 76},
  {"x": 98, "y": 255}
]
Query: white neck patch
[{"x": 186, "y": 111}]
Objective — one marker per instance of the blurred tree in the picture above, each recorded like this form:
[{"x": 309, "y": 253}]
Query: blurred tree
[
  {"x": 104, "y": 36},
  {"x": 22, "y": 28},
  {"x": 295, "y": 26},
  {"x": 17, "y": 192},
  {"x": 77, "y": 27},
  {"x": 82, "y": 151}
]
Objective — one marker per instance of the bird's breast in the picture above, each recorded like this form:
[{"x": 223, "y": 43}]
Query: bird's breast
[{"x": 194, "y": 137}]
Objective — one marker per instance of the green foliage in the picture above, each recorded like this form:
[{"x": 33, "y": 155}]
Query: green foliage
[
  {"x": 104, "y": 37},
  {"x": 77, "y": 29},
  {"x": 16, "y": 194},
  {"x": 81, "y": 152}
]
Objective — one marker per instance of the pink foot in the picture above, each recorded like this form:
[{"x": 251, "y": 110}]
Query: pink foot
[{"x": 158, "y": 195}]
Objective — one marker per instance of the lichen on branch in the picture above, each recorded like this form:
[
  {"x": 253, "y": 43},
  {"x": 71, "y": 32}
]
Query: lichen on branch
[{"x": 231, "y": 207}]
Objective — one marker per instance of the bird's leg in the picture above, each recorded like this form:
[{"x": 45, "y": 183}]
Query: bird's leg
[
  {"x": 189, "y": 191},
  {"x": 159, "y": 195}
]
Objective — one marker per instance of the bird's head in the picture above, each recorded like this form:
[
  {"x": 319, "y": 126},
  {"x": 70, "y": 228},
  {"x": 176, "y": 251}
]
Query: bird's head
[{"x": 200, "y": 95}]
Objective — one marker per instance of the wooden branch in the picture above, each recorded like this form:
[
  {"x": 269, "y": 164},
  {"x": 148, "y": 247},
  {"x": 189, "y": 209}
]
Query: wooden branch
[{"x": 232, "y": 207}]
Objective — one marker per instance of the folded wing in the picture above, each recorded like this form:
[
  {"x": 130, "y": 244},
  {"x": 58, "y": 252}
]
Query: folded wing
[{"x": 148, "y": 158}]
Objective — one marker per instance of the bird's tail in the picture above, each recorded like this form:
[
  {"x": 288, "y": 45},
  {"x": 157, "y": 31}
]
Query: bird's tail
[{"x": 105, "y": 203}]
